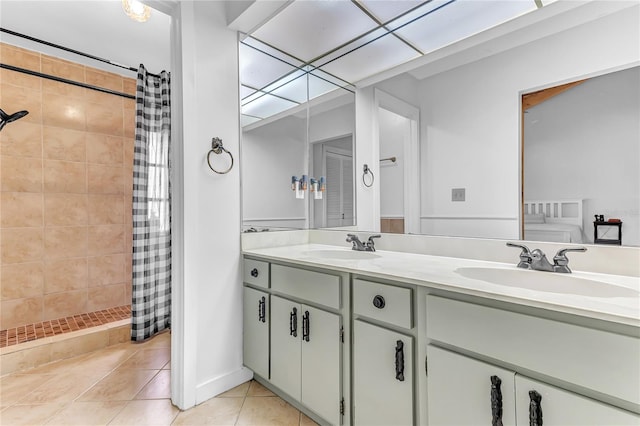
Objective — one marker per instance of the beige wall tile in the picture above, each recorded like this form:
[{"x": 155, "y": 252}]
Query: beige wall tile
[
  {"x": 106, "y": 209},
  {"x": 105, "y": 270},
  {"x": 55, "y": 88},
  {"x": 17, "y": 312},
  {"x": 105, "y": 297},
  {"x": 106, "y": 239},
  {"x": 16, "y": 78},
  {"x": 114, "y": 102},
  {"x": 61, "y": 68},
  {"x": 81, "y": 345},
  {"x": 64, "y": 111},
  {"x": 64, "y": 144},
  {"x": 22, "y": 98},
  {"x": 129, "y": 123},
  {"x": 120, "y": 335},
  {"x": 65, "y": 275},
  {"x": 65, "y": 209},
  {"x": 22, "y": 280},
  {"x": 20, "y": 58},
  {"x": 104, "y": 149},
  {"x": 21, "y": 245},
  {"x": 65, "y": 242},
  {"x": 22, "y": 139},
  {"x": 60, "y": 305},
  {"x": 21, "y": 174},
  {"x": 105, "y": 179},
  {"x": 21, "y": 209},
  {"x": 129, "y": 87},
  {"x": 65, "y": 176},
  {"x": 24, "y": 360},
  {"x": 105, "y": 80},
  {"x": 105, "y": 119}
]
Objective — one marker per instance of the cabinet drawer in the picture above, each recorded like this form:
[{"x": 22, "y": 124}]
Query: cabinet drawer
[
  {"x": 603, "y": 361},
  {"x": 256, "y": 273},
  {"x": 383, "y": 302},
  {"x": 313, "y": 286}
]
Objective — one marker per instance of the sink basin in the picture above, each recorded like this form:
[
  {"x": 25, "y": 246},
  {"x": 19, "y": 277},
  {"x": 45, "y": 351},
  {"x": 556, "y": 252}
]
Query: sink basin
[
  {"x": 342, "y": 254},
  {"x": 550, "y": 282}
]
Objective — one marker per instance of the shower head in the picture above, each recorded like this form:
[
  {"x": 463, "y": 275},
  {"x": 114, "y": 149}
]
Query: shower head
[{"x": 8, "y": 118}]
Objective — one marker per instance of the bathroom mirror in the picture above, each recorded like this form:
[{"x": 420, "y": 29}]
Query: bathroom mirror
[{"x": 581, "y": 158}]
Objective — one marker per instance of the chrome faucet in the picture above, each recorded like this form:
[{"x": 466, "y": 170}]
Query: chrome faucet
[
  {"x": 359, "y": 245},
  {"x": 536, "y": 260}
]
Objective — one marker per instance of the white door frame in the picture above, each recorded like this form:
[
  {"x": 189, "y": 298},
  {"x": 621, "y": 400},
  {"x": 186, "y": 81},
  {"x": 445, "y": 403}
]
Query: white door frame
[{"x": 410, "y": 151}]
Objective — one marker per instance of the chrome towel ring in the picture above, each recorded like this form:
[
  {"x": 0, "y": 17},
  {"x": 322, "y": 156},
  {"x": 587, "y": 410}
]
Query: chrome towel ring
[
  {"x": 365, "y": 171},
  {"x": 217, "y": 148}
]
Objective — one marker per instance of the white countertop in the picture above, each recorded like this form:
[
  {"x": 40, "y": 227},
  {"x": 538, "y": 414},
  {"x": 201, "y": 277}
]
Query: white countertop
[{"x": 440, "y": 273}]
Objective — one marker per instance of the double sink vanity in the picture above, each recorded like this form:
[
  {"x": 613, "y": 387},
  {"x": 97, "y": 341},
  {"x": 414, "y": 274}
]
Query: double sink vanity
[{"x": 397, "y": 338}]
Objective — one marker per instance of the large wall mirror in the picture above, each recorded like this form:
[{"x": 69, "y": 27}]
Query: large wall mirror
[{"x": 445, "y": 135}]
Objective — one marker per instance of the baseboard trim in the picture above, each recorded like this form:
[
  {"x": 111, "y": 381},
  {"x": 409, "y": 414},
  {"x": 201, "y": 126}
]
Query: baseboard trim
[{"x": 213, "y": 387}]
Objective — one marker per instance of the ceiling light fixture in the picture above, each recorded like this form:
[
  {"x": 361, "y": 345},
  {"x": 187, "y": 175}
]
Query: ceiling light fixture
[{"x": 136, "y": 10}]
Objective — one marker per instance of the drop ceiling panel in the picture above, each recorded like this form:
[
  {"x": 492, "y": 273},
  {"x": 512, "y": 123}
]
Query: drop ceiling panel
[
  {"x": 454, "y": 21},
  {"x": 308, "y": 29},
  {"x": 292, "y": 87},
  {"x": 377, "y": 52},
  {"x": 386, "y": 10},
  {"x": 266, "y": 106},
  {"x": 246, "y": 91},
  {"x": 258, "y": 69}
]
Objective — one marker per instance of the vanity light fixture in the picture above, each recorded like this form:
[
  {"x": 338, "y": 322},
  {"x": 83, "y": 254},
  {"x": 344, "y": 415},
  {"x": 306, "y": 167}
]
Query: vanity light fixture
[{"x": 136, "y": 10}]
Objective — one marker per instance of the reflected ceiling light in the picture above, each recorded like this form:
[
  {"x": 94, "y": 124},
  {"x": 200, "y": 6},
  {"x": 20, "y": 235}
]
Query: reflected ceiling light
[{"x": 136, "y": 10}]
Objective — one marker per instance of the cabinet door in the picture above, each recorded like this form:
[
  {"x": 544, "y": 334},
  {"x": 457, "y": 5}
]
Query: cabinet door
[
  {"x": 256, "y": 331},
  {"x": 382, "y": 376},
  {"x": 464, "y": 391},
  {"x": 321, "y": 354},
  {"x": 558, "y": 407},
  {"x": 285, "y": 345}
]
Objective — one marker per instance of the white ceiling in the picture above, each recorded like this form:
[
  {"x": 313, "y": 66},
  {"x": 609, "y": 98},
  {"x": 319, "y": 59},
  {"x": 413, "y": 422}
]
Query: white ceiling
[{"x": 99, "y": 28}]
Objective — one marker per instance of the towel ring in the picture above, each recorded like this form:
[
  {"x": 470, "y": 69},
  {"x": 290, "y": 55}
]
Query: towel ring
[
  {"x": 217, "y": 148},
  {"x": 365, "y": 171}
]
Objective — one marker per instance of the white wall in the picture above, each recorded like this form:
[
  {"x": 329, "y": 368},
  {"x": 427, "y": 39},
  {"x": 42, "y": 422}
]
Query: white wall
[
  {"x": 394, "y": 131},
  {"x": 271, "y": 154},
  {"x": 585, "y": 144},
  {"x": 207, "y": 290},
  {"x": 471, "y": 122}
]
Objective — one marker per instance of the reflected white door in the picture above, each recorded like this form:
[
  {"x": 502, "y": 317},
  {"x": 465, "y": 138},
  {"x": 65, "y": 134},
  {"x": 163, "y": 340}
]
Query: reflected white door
[{"x": 339, "y": 193}]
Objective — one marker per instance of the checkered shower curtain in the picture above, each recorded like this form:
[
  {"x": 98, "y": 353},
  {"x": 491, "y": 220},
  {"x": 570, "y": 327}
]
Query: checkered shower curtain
[{"x": 151, "y": 264}]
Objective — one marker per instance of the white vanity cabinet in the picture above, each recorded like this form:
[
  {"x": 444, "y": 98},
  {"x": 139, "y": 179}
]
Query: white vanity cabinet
[
  {"x": 294, "y": 336},
  {"x": 256, "y": 316},
  {"x": 383, "y": 354},
  {"x": 600, "y": 364}
]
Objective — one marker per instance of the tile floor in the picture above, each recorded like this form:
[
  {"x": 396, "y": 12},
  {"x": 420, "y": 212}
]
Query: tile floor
[{"x": 128, "y": 384}]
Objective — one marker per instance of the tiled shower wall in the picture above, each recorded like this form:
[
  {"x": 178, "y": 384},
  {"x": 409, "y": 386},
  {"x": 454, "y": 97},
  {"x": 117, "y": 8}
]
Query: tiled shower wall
[{"x": 65, "y": 179}]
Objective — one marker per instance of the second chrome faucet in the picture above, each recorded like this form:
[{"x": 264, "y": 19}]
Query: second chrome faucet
[
  {"x": 359, "y": 245},
  {"x": 537, "y": 260}
]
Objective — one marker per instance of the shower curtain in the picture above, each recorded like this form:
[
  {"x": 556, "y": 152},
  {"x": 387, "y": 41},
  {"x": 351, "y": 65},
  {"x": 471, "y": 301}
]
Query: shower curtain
[{"x": 151, "y": 262}]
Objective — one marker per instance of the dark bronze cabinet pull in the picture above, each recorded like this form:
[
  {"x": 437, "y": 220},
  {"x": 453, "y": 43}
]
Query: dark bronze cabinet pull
[
  {"x": 254, "y": 272},
  {"x": 262, "y": 313},
  {"x": 378, "y": 301},
  {"x": 535, "y": 408},
  {"x": 305, "y": 326},
  {"x": 496, "y": 401},
  {"x": 400, "y": 361},
  {"x": 293, "y": 323}
]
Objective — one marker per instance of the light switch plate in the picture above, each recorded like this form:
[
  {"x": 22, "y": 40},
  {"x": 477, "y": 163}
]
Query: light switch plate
[{"x": 457, "y": 194}]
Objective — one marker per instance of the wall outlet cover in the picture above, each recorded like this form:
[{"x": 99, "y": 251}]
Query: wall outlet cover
[{"x": 457, "y": 194}]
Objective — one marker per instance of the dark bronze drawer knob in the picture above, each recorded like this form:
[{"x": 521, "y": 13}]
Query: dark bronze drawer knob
[
  {"x": 378, "y": 301},
  {"x": 254, "y": 272}
]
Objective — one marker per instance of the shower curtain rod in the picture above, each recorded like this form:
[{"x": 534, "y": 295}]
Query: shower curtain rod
[
  {"x": 77, "y": 52},
  {"x": 64, "y": 80}
]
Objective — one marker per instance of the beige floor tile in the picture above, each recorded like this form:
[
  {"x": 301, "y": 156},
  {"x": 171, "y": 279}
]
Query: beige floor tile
[
  {"x": 256, "y": 389},
  {"x": 119, "y": 385},
  {"x": 266, "y": 411},
  {"x": 216, "y": 411},
  {"x": 238, "y": 391},
  {"x": 63, "y": 388},
  {"x": 162, "y": 340},
  {"x": 87, "y": 413},
  {"x": 306, "y": 421},
  {"x": 153, "y": 412},
  {"x": 16, "y": 386},
  {"x": 149, "y": 359},
  {"x": 30, "y": 414},
  {"x": 167, "y": 366},
  {"x": 158, "y": 388}
]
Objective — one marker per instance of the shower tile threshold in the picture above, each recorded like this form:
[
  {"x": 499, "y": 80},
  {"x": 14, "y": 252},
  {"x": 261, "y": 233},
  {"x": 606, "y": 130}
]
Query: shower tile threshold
[{"x": 105, "y": 329}]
